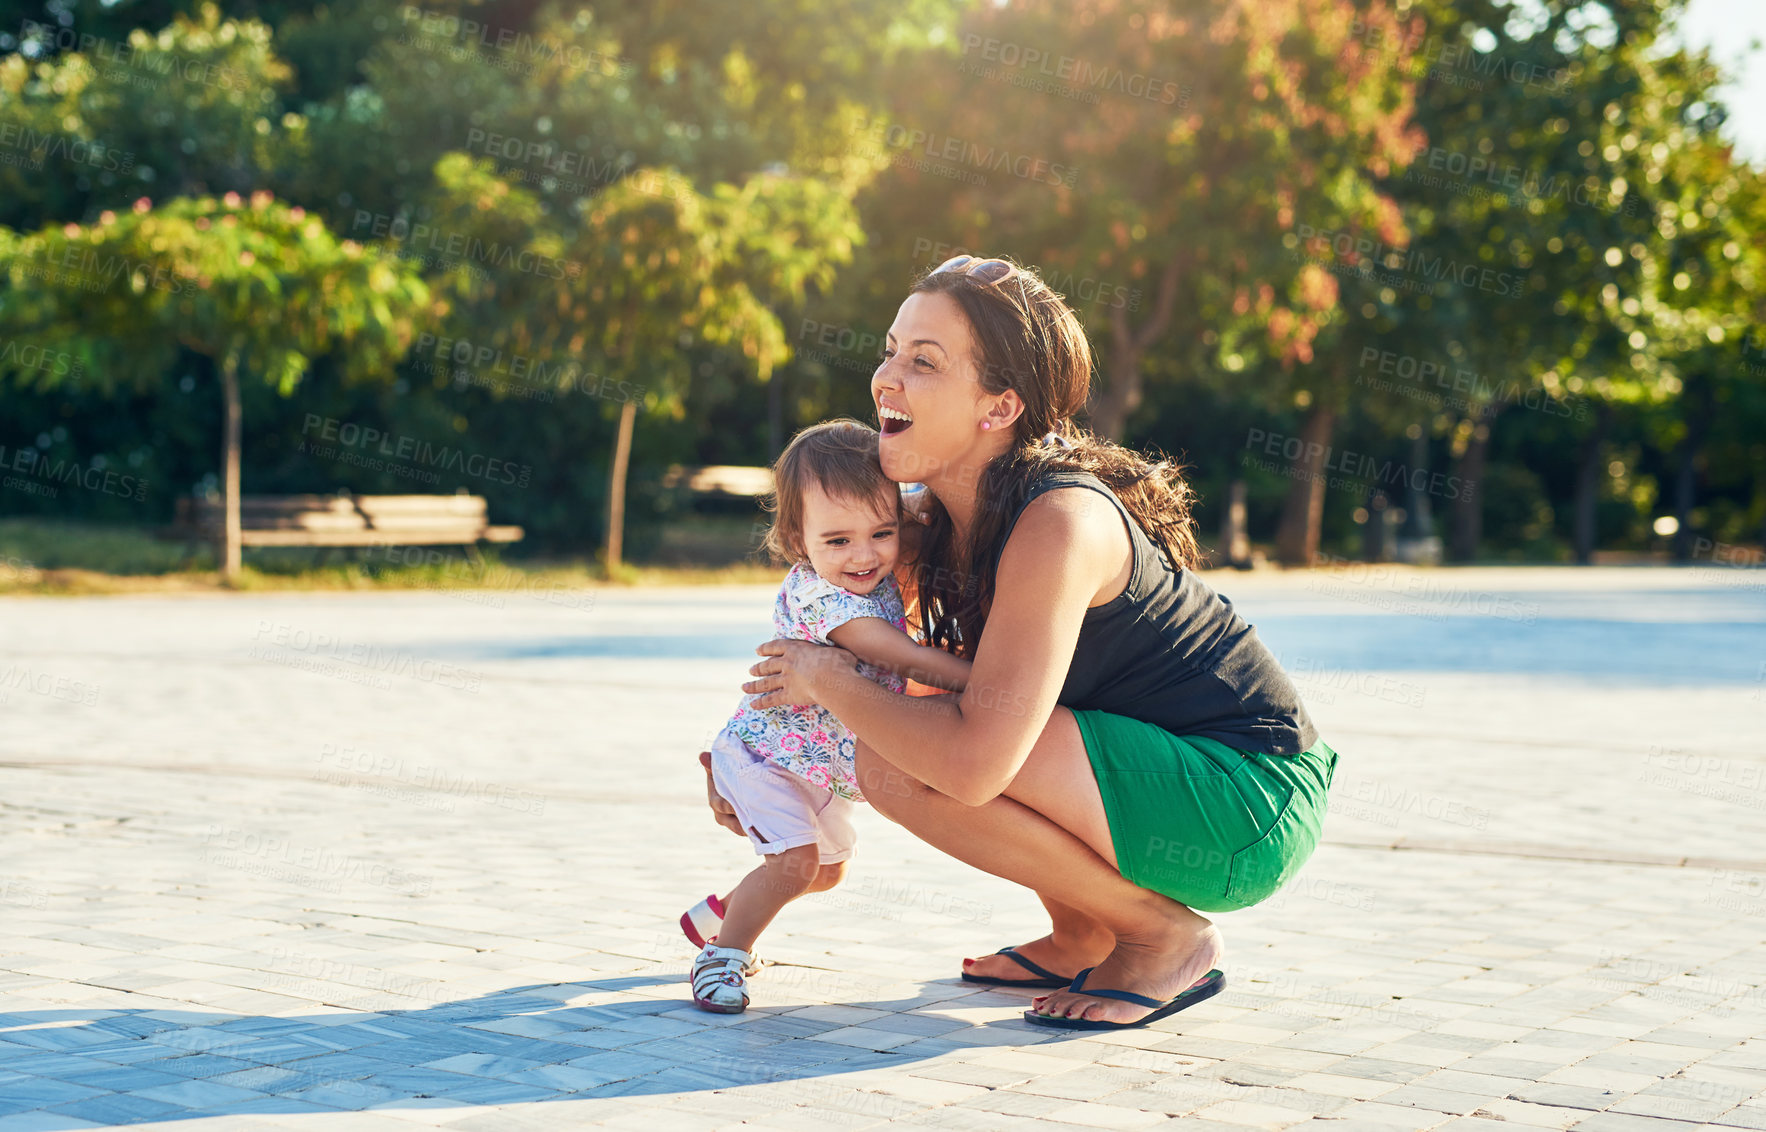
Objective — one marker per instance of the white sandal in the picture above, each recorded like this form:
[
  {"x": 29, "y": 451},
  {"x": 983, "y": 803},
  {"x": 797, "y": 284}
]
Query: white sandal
[
  {"x": 719, "y": 979},
  {"x": 701, "y": 922}
]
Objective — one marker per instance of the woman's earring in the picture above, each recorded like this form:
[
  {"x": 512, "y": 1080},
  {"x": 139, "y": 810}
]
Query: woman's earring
[{"x": 986, "y": 424}]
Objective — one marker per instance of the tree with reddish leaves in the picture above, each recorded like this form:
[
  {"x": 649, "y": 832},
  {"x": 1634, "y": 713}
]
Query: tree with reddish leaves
[{"x": 1161, "y": 163}]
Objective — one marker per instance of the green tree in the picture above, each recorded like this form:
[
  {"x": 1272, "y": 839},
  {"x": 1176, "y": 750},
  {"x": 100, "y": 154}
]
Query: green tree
[
  {"x": 189, "y": 110},
  {"x": 649, "y": 269},
  {"x": 1465, "y": 294},
  {"x": 1562, "y": 143},
  {"x": 259, "y": 287},
  {"x": 1648, "y": 143},
  {"x": 681, "y": 180},
  {"x": 1701, "y": 300}
]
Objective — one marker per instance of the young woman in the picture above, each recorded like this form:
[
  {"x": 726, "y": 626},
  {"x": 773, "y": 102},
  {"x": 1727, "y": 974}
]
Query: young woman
[{"x": 1126, "y": 747}]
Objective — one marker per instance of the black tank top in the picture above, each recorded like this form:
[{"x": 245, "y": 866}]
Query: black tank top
[{"x": 1170, "y": 651}]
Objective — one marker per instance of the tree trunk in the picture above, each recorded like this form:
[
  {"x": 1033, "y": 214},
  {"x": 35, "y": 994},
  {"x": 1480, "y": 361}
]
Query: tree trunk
[
  {"x": 775, "y": 415},
  {"x": 1110, "y": 411},
  {"x": 622, "y": 454},
  {"x": 1418, "y": 522},
  {"x": 1296, "y": 539},
  {"x": 1698, "y": 423},
  {"x": 229, "y": 552},
  {"x": 1468, "y": 506},
  {"x": 1588, "y": 480},
  {"x": 1416, "y": 543},
  {"x": 1373, "y": 532},
  {"x": 1235, "y": 542}
]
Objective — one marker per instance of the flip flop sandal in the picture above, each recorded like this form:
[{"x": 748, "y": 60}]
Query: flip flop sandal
[
  {"x": 1206, "y": 987},
  {"x": 1048, "y": 980}
]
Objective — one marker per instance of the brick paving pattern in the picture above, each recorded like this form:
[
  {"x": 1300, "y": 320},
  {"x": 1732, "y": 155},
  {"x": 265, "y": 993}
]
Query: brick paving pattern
[{"x": 394, "y": 860}]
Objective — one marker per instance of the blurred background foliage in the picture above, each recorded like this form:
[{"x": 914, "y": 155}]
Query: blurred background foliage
[{"x": 1504, "y": 245}]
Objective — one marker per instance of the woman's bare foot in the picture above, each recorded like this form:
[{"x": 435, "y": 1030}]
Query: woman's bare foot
[
  {"x": 1065, "y": 955},
  {"x": 1158, "y": 964}
]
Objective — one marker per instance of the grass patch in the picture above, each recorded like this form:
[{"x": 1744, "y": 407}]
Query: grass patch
[
  {"x": 49, "y": 544},
  {"x": 40, "y": 556}
]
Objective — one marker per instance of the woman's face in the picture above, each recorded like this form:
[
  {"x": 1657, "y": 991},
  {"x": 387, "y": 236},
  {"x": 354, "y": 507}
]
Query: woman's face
[{"x": 930, "y": 404}]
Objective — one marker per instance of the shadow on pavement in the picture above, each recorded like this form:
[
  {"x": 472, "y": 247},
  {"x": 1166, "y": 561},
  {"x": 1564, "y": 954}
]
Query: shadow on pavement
[{"x": 510, "y": 1046}]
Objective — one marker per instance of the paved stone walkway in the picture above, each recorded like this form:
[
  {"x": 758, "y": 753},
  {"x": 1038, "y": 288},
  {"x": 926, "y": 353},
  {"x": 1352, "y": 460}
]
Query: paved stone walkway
[{"x": 384, "y": 861}]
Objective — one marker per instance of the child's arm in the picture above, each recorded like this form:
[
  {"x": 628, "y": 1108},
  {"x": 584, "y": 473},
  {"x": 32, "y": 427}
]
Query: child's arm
[{"x": 877, "y": 642}]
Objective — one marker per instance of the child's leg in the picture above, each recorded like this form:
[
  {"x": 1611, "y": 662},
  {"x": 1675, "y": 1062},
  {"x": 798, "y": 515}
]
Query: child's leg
[
  {"x": 753, "y": 903},
  {"x": 826, "y": 877},
  {"x": 776, "y": 807},
  {"x": 705, "y": 920}
]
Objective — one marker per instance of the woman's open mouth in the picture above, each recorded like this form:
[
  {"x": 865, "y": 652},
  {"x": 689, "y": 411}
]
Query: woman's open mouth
[{"x": 893, "y": 420}]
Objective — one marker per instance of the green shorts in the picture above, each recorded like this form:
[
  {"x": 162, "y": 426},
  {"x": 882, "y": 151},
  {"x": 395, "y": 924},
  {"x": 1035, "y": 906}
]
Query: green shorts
[{"x": 1206, "y": 824}]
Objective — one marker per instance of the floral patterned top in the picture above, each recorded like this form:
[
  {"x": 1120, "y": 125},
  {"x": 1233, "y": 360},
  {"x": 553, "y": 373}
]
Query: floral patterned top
[{"x": 808, "y": 741}]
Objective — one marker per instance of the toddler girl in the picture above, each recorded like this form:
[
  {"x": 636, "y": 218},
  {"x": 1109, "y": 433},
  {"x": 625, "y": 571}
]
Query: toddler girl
[{"x": 788, "y": 772}]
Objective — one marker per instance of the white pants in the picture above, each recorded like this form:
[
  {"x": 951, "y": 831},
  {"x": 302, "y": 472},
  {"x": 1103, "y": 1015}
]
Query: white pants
[{"x": 777, "y": 809}]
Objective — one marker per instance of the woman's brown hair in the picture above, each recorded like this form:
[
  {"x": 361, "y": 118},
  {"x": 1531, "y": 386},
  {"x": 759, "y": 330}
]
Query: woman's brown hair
[
  {"x": 841, "y": 456},
  {"x": 1029, "y": 340}
]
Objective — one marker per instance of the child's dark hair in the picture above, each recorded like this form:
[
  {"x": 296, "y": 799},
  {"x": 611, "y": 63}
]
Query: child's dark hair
[{"x": 840, "y": 456}]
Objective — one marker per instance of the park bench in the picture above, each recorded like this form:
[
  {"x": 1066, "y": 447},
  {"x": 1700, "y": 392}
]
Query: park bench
[
  {"x": 719, "y": 481},
  {"x": 714, "y": 514},
  {"x": 345, "y": 521}
]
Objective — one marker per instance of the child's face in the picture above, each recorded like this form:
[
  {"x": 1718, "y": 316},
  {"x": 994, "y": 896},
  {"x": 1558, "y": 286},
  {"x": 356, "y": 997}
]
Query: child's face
[{"x": 852, "y": 544}]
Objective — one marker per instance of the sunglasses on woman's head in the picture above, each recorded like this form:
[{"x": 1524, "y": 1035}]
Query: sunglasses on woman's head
[{"x": 982, "y": 270}]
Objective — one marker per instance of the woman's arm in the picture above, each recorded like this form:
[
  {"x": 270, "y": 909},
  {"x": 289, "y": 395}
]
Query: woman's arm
[
  {"x": 877, "y": 642},
  {"x": 1060, "y": 555}
]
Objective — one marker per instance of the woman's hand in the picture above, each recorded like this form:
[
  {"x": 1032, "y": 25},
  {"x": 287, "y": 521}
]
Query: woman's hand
[
  {"x": 791, "y": 670},
  {"x": 916, "y": 502},
  {"x": 721, "y": 810}
]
